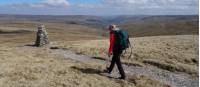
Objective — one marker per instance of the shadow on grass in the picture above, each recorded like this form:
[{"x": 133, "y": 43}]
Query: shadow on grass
[
  {"x": 16, "y": 32},
  {"x": 126, "y": 63},
  {"x": 99, "y": 58},
  {"x": 31, "y": 45},
  {"x": 93, "y": 71},
  {"x": 87, "y": 70}
]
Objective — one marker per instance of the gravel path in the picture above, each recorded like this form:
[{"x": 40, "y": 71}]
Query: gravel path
[{"x": 164, "y": 76}]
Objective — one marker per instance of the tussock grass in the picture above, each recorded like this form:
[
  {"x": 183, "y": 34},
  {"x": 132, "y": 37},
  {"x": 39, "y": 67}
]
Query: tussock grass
[
  {"x": 142, "y": 81},
  {"x": 173, "y": 66},
  {"x": 37, "y": 67},
  {"x": 173, "y": 53}
]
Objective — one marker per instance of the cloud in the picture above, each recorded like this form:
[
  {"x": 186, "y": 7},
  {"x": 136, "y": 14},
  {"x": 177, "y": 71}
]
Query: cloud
[
  {"x": 119, "y": 4},
  {"x": 42, "y": 4},
  {"x": 153, "y": 3},
  {"x": 105, "y": 7},
  {"x": 62, "y": 3},
  {"x": 88, "y": 6}
]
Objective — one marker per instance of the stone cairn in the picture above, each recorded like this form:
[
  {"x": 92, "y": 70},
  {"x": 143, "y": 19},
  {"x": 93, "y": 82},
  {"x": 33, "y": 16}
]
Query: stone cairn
[{"x": 42, "y": 37}]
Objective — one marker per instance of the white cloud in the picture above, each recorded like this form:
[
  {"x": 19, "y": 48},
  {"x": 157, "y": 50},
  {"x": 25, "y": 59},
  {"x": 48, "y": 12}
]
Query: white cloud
[
  {"x": 153, "y": 3},
  {"x": 63, "y": 3},
  {"x": 88, "y": 6},
  {"x": 126, "y": 4},
  {"x": 43, "y": 4}
]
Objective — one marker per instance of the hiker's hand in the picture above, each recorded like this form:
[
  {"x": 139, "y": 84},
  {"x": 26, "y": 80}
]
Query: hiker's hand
[{"x": 109, "y": 54}]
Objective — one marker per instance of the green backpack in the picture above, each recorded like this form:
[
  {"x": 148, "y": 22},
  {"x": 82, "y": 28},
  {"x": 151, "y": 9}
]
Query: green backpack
[{"x": 122, "y": 39}]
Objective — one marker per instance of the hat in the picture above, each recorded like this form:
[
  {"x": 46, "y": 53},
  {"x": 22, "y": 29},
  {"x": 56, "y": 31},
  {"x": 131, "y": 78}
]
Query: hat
[{"x": 112, "y": 26}]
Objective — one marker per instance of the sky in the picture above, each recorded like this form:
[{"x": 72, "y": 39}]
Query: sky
[{"x": 100, "y": 7}]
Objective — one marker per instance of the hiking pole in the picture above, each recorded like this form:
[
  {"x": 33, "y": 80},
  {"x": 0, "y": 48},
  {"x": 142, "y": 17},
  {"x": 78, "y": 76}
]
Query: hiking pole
[
  {"x": 107, "y": 62},
  {"x": 131, "y": 49},
  {"x": 131, "y": 52}
]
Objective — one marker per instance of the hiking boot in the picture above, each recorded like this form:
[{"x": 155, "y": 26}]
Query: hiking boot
[
  {"x": 123, "y": 78},
  {"x": 106, "y": 70}
]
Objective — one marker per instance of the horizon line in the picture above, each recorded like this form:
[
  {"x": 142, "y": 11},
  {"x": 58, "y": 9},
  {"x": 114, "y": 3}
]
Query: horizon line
[{"x": 103, "y": 15}]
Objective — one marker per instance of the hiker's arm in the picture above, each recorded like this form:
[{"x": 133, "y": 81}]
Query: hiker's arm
[{"x": 112, "y": 41}]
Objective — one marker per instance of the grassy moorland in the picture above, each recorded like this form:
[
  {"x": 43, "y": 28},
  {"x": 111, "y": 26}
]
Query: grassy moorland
[
  {"x": 173, "y": 53},
  {"x": 24, "y": 65}
]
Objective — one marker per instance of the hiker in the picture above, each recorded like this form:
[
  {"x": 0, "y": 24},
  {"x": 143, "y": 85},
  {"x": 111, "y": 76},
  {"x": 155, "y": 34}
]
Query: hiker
[
  {"x": 116, "y": 50},
  {"x": 42, "y": 37}
]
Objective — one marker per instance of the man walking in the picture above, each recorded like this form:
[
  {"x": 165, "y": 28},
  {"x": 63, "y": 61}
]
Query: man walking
[{"x": 116, "y": 50}]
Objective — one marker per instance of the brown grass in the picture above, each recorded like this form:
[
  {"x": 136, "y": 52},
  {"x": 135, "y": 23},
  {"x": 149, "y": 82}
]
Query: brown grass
[
  {"x": 39, "y": 68},
  {"x": 25, "y": 66},
  {"x": 173, "y": 53},
  {"x": 142, "y": 81}
]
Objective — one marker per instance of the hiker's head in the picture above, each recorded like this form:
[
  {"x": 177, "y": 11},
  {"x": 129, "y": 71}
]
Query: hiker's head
[{"x": 112, "y": 27}]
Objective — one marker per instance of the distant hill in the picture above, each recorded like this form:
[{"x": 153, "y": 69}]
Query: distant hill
[
  {"x": 138, "y": 25},
  {"x": 163, "y": 25},
  {"x": 93, "y": 21}
]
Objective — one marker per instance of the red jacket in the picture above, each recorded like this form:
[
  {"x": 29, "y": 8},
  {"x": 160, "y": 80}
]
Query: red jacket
[{"x": 112, "y": 41}]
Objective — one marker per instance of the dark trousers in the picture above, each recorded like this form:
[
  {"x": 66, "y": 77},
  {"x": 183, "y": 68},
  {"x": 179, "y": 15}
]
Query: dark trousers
[{"x": 116, "y": 59}]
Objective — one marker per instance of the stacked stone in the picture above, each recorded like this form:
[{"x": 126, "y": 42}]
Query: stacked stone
[{"x": 42, "y": 37}]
